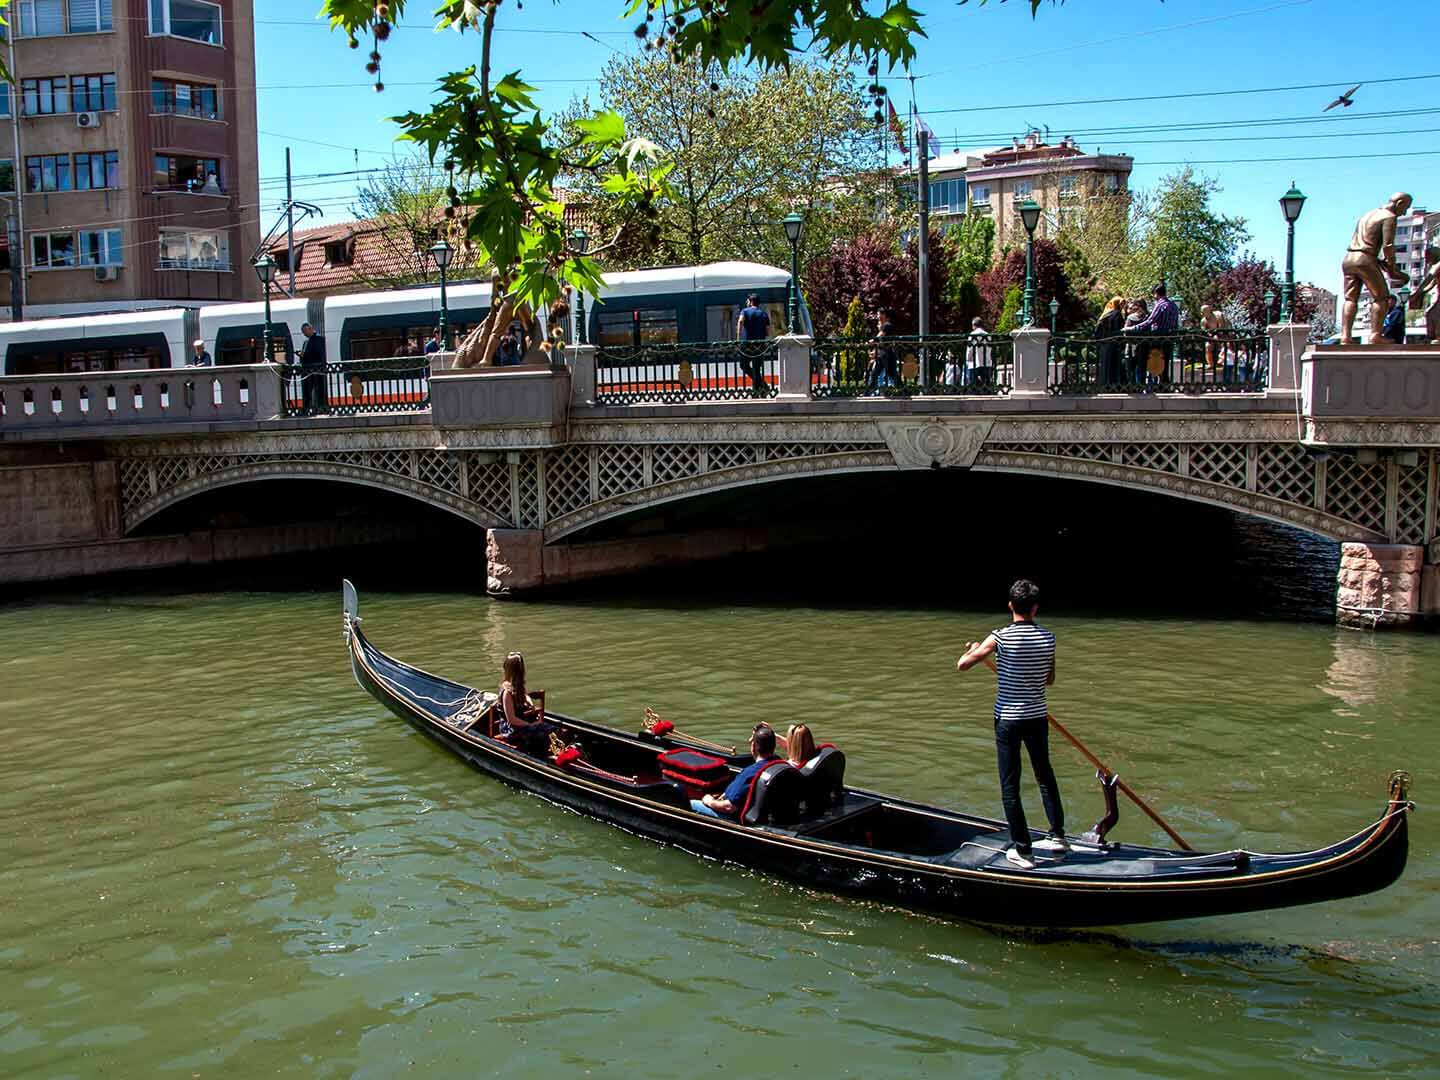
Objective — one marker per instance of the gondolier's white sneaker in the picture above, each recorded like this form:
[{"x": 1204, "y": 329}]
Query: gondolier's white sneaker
[
  {"x": 1023, "y": 861},
  {"x": 1056, "y": 845}
]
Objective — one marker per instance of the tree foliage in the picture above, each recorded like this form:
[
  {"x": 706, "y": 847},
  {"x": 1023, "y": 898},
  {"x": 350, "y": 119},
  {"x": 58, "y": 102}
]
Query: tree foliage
[
  {"x": 488, "y": 124},
  {"x": 1051, "y": 282},
  {"x": 405, "y": 202},
  {"x": 746, "y": 148},
  {"x": 871, "y": 269},
  {"x": 1240, "y": 291}
]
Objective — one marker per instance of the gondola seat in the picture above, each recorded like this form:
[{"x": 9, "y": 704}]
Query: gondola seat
[
  {"x": 824, "y": 776},
  {"x": 775, "y": 796}
]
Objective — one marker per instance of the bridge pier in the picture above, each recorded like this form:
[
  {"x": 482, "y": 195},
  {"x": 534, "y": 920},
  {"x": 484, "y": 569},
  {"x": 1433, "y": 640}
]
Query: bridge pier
[{"x": 1383, "y": 586}]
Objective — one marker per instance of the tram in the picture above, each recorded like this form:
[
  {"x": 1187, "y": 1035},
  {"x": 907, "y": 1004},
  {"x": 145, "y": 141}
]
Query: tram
[{"x": 666, "y": 305}]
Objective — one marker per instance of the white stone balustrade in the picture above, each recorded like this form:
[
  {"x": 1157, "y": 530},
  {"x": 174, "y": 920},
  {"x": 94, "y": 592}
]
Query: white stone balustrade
[{"x": 115, "y": 399}]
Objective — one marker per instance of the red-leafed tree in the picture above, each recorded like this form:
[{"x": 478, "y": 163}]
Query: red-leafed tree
[
  {"x": 1051, "y": 282},
  {"x": 871, "y": 267},
  {"x": 1241, "y": 290}
]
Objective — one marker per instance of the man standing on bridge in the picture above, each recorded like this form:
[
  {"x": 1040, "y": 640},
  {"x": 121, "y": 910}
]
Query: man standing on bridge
[
  {"x": 753, "y": 325},
  {"x": 1368, "y": 261},
  {"x": 1024, "y": 667},
  {"x": 312, "y": 372}
]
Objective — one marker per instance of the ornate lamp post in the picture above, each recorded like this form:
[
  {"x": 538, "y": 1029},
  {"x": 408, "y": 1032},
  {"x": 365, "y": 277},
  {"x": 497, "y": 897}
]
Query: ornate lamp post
[
  {"x": 265, "y": 271},
  {"x": 1291, "y": 203},
  {"x": 1030, "y": 217},
  {"x": 1054, "y": 315},
  {"x": 1269, "y": 303},
  {"x": 794, "y": 225},
  {"x": 442, "y": 253},
  {"x": 579, "y": 244}
]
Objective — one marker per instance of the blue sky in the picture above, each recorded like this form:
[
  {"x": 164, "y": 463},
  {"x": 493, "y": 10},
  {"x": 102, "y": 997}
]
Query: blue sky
[{"x": 983, "y": 74}]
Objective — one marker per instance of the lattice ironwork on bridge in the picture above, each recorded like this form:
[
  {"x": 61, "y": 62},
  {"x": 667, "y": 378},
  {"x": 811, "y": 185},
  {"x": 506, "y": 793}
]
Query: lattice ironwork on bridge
[{"x": 1252, "y": 465}]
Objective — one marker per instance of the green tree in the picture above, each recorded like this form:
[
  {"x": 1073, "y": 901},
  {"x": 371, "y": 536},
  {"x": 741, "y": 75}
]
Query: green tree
[
  {"x": 746, "y": 149},
  {"x": 405, "y": 202},
  {"x": 1010, "y": 311},
  {"x": 968, "y": 246},
  {"x": 491, "y": 127},
  {"x": 1186, "y": 242}
]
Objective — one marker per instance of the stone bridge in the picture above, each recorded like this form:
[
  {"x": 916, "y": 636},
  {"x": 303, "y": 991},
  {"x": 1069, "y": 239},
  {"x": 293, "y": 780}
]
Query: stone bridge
[{"x": 1343, "y": 443}]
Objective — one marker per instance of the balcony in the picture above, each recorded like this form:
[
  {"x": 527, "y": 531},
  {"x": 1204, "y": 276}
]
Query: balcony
[{"x": 217, "y": 265}]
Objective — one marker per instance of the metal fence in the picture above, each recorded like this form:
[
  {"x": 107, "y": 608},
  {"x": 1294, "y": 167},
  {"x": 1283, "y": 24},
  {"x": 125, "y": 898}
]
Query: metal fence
[
  {"x": 689, "y": 371},
  {"x": 1225, "y": 362},
  {"x": 398, "y": 384},
  {"x": 957, "y": 364}
]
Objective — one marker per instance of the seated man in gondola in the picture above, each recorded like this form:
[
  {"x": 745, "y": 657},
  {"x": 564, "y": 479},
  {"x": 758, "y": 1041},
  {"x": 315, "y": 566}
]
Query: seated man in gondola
[{"x": 729, "y": 805}]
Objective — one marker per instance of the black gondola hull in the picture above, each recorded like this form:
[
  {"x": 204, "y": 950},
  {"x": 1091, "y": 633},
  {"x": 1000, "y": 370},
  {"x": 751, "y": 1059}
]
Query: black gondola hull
[{"x": 1065, "y": 896}]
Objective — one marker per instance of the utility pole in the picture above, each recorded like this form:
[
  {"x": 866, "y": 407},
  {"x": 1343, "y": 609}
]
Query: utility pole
[
  {"x": 922, "y": 138},
  {"x": 289, "y": 224},
  {"x": 14, "y": 221}
]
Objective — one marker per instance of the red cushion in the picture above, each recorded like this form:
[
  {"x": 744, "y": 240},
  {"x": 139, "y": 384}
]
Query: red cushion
[{"x": 692, "y": 763}]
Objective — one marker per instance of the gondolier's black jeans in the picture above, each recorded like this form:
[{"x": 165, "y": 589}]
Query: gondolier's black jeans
[{"x": 1034, "y": 735}]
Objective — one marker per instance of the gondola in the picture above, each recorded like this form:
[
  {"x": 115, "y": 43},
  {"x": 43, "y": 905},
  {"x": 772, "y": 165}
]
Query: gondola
[{"x": 808, "y": 826}]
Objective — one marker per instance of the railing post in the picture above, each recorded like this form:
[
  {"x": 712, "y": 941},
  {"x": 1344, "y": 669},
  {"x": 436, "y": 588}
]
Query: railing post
[
  {"x": 1031, "y": 370},
  {"x": 582, "y": 374},
  {"x": 267, "y": 392},
  {"x": 795, "y": 354},
  {"x": 1287, "y": 345}
]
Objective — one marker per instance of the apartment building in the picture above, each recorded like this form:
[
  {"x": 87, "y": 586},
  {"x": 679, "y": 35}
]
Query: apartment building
[
  {"x": 1060, "y": 177},
  {"x": 132, "y": 174},
  {"x": 1413, "y": 233}
]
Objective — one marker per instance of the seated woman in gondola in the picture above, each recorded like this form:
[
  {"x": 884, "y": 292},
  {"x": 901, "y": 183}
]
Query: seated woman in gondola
[
  {"x": 517, "y": 719},
  {"x": 799, "y": 745}
]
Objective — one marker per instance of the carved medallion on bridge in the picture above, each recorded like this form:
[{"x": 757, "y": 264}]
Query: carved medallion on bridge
[{"x": 949, "y": 442}]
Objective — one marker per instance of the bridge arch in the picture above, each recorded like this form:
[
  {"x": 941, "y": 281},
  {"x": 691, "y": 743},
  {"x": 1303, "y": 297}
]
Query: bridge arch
[{"x": 141, "y": 508}]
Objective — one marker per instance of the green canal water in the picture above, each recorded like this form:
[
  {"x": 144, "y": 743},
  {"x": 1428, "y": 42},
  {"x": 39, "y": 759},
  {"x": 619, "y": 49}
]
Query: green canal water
[{"x": 222, "y": 859}]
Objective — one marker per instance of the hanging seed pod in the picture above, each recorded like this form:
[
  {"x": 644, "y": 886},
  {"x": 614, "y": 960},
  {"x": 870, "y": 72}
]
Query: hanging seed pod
[
  {"x": 879, "y": 116},
  {"x": 710, "y": 113},
  {"x": 874, "y": 68},
  {"x": 379, "y": 87},
  {"x": 372, "y": 68},
  {"x": 375, "y": 56},
  {"x": 641, "y": 31},
  {"x": 382, "y": 31},
  {"x": 354, "y": 43}
]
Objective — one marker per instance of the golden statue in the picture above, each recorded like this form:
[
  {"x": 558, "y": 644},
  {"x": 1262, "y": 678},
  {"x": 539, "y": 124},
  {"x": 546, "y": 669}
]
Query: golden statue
[{"x": 1369, "y": 260}]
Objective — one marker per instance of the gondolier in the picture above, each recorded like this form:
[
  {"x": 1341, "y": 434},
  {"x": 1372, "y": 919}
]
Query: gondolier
[{"x": 1025, "y": 666}]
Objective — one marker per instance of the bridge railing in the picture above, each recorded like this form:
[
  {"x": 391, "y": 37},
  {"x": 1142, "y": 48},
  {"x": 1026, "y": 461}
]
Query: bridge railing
[
  {"x": 690, "y": 371},
  {"x": 93, "y": 399},
  {"x": 395, "y": 384},
  {"x": 958, "y": 364},
  {"x": 1187, "y": 362}
]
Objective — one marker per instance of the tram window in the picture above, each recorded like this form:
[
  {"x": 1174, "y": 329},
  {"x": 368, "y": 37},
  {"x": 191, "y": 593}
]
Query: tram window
[
  {"x": 648, "y": 326},
  {"x": 720, "y": 319},
  {"x": 251, "y": 350},
  {"x": 617, "y": 330}
]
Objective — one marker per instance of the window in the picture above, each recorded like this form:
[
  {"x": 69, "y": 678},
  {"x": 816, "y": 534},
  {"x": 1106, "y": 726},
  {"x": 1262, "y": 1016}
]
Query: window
[
  {"x": 1022, "y": 190},
  {"x": 1069, "y": 187},
  {"x": 980, "y": 198},
  {"x": 338, "y": 253},
  {"x": 89, "y": 16},
  {"x": 52, "y": 249},
  {"x": 720, "y": 319},
  {"x": 37, "y": 18},
  {"x": 948, "y": 196},
  {"x": 48, "y": 172},
  {"x": 7, "y": 176},
  {"x": 4, "y": 99},
  {"x": 184, "y": 249},
  {"x": 649, "y": 327},
  {"x": 175, "y": 172},
  {"x": 1112, "y": 184},
  {"x": 41, "y": 97},
  {"x": 104, "y": 247},
  {"x": 185, "y": 99},
  {"x": 193, "y": 19},
  {"x": 97, "y": 170},
  {"x": 92, "y": 93}
]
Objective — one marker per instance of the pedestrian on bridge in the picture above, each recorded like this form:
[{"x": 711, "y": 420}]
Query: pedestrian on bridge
[
  {"x": 753, "y": 325},
  {"x": 314, "y": 398}
]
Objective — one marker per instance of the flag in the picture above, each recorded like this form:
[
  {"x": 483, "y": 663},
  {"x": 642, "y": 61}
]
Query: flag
[
  {"x": 934, "y": 142},
  {"x": 897, "y": 128}
]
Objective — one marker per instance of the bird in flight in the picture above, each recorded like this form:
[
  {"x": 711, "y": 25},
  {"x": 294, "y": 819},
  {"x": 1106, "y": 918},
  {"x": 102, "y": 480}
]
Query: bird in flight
[{"x": 1347, "y": 99}]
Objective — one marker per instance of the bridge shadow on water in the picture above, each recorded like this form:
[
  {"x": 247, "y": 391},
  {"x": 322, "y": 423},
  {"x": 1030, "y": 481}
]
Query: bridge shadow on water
[{"x": 914, "y": 540}]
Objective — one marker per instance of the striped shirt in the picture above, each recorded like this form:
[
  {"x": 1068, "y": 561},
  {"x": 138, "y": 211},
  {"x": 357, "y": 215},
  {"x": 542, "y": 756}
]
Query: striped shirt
[{"x": 1024, "y": 655}]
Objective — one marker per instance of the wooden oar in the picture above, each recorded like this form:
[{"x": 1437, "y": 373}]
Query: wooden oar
[
  {"x": 1107, "y": 772},
  {"x": 652, "y": 719}
]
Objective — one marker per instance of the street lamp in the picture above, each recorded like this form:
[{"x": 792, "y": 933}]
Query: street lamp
[
  {"x": 265, "y": 271},
  {"x": 580, "y": 243},
  {"x": 1054, "y": 314},
  {"x": 442, "y": 253},
  {"x": 1291, "y": 203},
  {"x": 1030, "y": 217},
  {"x": 1269, "y": 303},
  {"x": 794, "y": 225}
]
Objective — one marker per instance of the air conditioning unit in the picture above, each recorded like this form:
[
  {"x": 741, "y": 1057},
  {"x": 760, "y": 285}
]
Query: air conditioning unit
[
  {"x": 87, "y": 119},
  {"x": 107, "y": 273}
]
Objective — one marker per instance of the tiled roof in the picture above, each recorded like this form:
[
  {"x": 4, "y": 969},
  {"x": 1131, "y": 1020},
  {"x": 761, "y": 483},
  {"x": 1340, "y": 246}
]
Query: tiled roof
[{"x": 352, "y": 256}]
